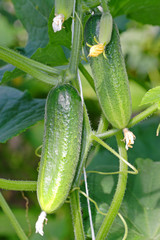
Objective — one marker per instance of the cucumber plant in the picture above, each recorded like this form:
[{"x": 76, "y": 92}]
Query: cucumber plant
[{"x": 69, "y": 142}]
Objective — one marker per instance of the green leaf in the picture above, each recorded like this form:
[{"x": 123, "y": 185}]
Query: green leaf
[
  {"x": 5, "y": 69},
  {"x": 58, "y": 226},
  {"x": 142, "y": 195},
  {"x": 91, "y": 3},
  {"x": 34, "y": 17},
  {"x": 29, "y": 66},
  {"x": 18, "y": 111},
  {"x": 62, "y": 37},
  {"x": 51, "y": 55},
  {"x": 7, "y": 32},
  {"x": 152, "y": 96},
  {"x": 144, "y": 11}
]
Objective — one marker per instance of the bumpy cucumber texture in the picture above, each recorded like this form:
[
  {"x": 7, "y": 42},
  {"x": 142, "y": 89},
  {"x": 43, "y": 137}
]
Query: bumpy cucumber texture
[
  {"x": 110, "y": 77},
  {"x": 61, "y": 146}
]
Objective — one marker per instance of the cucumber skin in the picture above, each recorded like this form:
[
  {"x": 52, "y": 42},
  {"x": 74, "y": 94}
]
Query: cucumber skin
[
  {"x": 61, "y": 146},
  {"x": 110, "y": 77}
]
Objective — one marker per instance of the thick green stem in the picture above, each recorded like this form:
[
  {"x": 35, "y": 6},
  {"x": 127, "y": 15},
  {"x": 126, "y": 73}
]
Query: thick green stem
[
  {"x": 29, "y": 61},
  {"x": 12, "y": 218},
  {"x": 140, "y": 117},
  {"x": 73, "y": 71},
  {"x": 104, "y": 4},
  {"x": 18, "y": 185},
  {"x": 77, "y": 41},
  {"x": 85, "y": 146},
  {"x": 107, "y": 134},
  {"x": 18, "y": 61},
  {"x": 143, "y": 115},
  {"x": 119, "y": 194},
  {"x": 103, "y": 125},
  {"x": 87, "y": 75},
  {"x": 76, "y": 215}
]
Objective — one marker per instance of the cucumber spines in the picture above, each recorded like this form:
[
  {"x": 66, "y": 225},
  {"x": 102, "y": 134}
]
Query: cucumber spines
[
  {"x": 61, "y": 146},
  {"x": 110, "y": 77}
]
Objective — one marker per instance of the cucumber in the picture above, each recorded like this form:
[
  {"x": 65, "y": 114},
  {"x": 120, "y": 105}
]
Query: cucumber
[
  {"x": 63, "y": 10},
  {"x": 64, "y": 7},
  {"x": 105, "y": 33},
  {"x": 110, "y": 77},
  {"x": 61, "y": 146}
]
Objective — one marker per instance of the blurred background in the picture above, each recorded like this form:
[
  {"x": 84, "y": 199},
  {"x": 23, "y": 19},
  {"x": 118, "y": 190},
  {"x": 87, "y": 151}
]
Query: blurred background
[{"x": 141, "y": 48}]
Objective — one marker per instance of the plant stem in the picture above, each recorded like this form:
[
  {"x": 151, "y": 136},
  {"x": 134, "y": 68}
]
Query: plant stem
[
  {"x": 86, "y": 75},
  {"x": 76, "y": 215},
  {"x": 12, "y": 218},
  {"x": 85, "y": 146},
  {"x": 88, "y": 204},
  {"x": 26, "y": 67},
  {"x": 18, "y": 185},
  {"x": 143, "y": 115},
  {"x": 31, "y": 62},
  {"x": 77, "y": 41},
  {"x": 119, "y": 194},
  {"x": 140, "y": 117},
  {"x": 104, "y": 5},
  {"x": 73, "y": 75},
  {"x": 107, "y": 134}
]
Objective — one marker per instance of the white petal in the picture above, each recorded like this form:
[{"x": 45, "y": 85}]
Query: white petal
[
  {"x": 129, "y": 137},
  {"x": 57, "y": 22},
  {"x": 39, "y": 223}
]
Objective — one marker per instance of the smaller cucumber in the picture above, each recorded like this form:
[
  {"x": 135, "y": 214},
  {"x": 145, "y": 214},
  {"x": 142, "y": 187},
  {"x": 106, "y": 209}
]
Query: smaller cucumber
[
  {"x": 104, "y": 36},
  {"x": 109, "y": 73},
  {"x": 61, "y": 146},
  {"x": 64, "y": 7},
  {"x": 63, "y": 10},
  {"x": 105, "y": 28}
]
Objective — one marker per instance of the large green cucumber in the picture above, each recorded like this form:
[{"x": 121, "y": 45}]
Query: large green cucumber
[
  {"x": 110, "y": 77},
  {"x": 61, "y": 146}
]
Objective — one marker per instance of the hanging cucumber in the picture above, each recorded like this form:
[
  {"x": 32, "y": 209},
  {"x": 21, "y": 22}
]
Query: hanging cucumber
[
  {"x": 61, "y": 147},
  {"x": 63, "y": 10},
  {"x": 109, "y": 72},
  {"x": 64, "y": 7}
]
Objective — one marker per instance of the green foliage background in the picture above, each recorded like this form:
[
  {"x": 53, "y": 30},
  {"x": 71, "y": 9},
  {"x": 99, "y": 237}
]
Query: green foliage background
[{"x": 22, "y": 101}]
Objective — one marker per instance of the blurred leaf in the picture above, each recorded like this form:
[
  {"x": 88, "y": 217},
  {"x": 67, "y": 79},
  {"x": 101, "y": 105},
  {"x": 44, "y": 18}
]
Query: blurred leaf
[
  {"x": 18, "y": 111},
  {"x": 140, "y": 46},
  {"x": 9, "y": 72},
  {"x": 144, "y": 186},
  {"x": 143, "y": 11},
  {"x": 121, "y": 22},
  {"x": 137, "y": 92},
  {"x": 59, "y": 225},
  {"x": 5, "y": 69},
  {"x": 152, "y": 96},
  {"x": 91, "y": 3},
  {"x": 34, "y": 17},
  {"x": 142, "y": 201},
  {"x": 7, "y": 31},
  {"x": 51, "y": 55},
  {"x": 140, "y": 207},
  {"x": 62, "y": 37}
]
